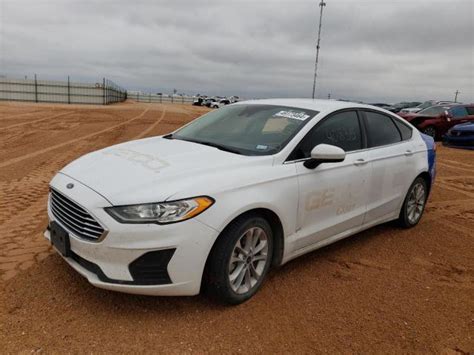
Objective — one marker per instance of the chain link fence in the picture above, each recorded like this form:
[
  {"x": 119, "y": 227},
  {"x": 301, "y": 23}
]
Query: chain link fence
[
  {"x": 156, "y": 98},
  {"x": 101, "y": 93}
]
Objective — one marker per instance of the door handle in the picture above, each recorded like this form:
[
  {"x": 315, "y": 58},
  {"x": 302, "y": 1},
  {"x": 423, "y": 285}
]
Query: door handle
[
  {"x": 408, "y": 153},
  {"x": 360, "y": 162}
]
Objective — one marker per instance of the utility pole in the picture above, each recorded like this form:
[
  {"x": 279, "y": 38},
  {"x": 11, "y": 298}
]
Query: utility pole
[
  {"x": 321, "y": 4},
  {"x": 456, "y": 95}
]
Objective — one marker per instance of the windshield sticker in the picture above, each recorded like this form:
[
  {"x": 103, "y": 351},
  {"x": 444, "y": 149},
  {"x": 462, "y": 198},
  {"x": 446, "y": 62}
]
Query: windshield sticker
[
  {"x": 261, "y": 147},
  {"x": 300, "y": 116}
]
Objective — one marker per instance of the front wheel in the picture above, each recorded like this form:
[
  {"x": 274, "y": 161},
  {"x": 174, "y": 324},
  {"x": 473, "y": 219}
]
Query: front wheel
[
  {"x": 240, "y": 260},
  {"x": 414, "y": 204},
  {"x": 430, "y": 131}
]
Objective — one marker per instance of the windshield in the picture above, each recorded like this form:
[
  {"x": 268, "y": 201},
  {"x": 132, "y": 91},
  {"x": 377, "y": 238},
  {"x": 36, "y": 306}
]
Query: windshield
[
  {"x": 247, "y": 129},
  {"x": 433, "y": 111},
  {"x": 426, "y": 105}
]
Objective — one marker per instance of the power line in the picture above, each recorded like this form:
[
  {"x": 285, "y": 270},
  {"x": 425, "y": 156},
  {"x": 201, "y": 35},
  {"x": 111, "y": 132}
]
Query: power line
[{"x": 322, "y": 4}]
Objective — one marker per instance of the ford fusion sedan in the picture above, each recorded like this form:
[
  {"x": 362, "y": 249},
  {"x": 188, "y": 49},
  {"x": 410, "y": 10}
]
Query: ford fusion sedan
[
  {"x": 250, "y": 186},
  {"x": 436, "y": 120}
]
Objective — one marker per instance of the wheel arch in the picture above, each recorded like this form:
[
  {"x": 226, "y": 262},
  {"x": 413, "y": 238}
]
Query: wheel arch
[
  {"x": 425, "y": 175},
  {"x": 275, "y": 223}
]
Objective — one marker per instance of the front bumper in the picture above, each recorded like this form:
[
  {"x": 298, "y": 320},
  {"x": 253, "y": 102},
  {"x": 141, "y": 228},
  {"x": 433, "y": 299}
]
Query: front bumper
[
  {"x": 109, "y": 263},
  {"x": 466, "y": 142}
]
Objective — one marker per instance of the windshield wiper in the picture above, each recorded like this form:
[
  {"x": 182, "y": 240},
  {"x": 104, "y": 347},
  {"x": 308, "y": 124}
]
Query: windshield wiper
[
  {"x": 210, "y": 144},
  {"x": 219, "y": 146}
]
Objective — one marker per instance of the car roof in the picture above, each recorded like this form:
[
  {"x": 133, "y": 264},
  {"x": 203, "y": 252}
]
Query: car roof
[{"x": 309, "y": 104}]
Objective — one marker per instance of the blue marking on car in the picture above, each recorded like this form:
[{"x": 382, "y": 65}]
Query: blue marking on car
[{"x": 431, "y": 146}]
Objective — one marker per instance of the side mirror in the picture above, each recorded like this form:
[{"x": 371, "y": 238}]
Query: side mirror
[{"x": 324, "y": 153}]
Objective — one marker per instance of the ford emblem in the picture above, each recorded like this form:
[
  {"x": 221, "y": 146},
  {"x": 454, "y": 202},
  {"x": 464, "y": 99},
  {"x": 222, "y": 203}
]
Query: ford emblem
[{"x": 70, "y": 185}]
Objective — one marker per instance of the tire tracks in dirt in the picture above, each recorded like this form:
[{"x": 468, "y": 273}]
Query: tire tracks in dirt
[
  {"x": 149, "y": 129},
  {"x": 464, "y": 167},
  {"x": 23, "y": 114},
  {"x": 38, "y": 120},
  {"x": 24, "y": 199},
  {"x": 64, "y": 144}
]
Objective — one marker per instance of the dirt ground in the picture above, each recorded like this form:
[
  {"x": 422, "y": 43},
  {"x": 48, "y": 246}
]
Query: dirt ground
[{"x": 386, "y": 290}]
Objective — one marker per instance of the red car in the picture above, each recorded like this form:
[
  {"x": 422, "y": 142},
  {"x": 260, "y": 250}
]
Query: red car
[{"x": 436, "y": 120}]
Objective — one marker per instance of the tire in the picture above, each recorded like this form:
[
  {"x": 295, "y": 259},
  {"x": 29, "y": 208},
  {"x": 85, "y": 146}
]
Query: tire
[
  {"x": 430, "y": 131},
  {"x": 220, "y": 269},
  {"x": 414, "y": 204}
]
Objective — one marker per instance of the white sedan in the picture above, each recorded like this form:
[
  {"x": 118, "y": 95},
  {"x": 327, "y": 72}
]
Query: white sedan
[
  {"x": 220, "y": 103},
  {"x": 241, "y": 189}
]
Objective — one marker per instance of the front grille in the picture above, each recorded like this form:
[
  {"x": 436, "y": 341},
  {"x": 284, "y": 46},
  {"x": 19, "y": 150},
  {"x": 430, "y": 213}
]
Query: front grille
[
  {"x": 461, "y": 133},
  {"x": 75, "y": 218}
]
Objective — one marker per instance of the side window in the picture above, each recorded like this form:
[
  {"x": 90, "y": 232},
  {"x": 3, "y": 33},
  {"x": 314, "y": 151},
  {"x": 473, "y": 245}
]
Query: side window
[
  {"x": 405, "y": 131},
  {"x": 381, "y": 130},
  {"x": 458, "y": 112},
  {"x": 470, "y": 110},
  {"x": 341, "y": 130}
]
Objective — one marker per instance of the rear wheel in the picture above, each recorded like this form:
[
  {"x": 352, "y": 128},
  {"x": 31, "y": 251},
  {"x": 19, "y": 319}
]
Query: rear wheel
[
  {"x": 414, "y": 204},
  {"x": 240, "y": 260},
  {"x": 430, "y": 131}
]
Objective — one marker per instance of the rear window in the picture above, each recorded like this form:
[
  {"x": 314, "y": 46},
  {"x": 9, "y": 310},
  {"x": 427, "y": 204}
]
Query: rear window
[
  {"x": 405, "y": 131},
  {"x": 381, "y": 130},
  {"x": 470, "y": 110}
]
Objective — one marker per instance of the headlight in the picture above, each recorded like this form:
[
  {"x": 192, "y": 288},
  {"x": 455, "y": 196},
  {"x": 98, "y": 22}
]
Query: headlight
[{"x": 161, "y": 213}]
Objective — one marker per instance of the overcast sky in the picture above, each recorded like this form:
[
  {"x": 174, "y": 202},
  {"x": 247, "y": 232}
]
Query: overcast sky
[{"x": 371, "y": 50}]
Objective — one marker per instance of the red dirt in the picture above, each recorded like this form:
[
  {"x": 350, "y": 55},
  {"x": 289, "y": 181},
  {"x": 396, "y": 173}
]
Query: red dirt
[{"x": 386, "y": 290}]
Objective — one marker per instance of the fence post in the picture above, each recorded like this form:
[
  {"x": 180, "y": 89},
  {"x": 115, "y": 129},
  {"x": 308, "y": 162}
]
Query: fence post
[
  {"x": 149, "y": 97},
  {"x": 172, "y": 98},
  {"x": 161, "y": 98},
  {"x": 68, "y": 90},
  {"x": 182, "y": 99},
  {"x": 103, "y": 92},
  {"x": 36, "y": 89}
]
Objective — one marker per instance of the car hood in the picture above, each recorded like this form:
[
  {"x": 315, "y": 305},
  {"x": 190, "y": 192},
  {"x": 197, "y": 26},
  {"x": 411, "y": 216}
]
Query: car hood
[
  {"x": 411, "y": 110},
  {"x": 154, "y": 169},
  {"x": 467, "y": 127},
  {"x": 408, "y": 116},
  {"x": 411, "y": 116}
]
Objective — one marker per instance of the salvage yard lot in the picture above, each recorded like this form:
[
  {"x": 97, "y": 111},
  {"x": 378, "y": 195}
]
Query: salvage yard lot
[{"x": 384, "y": 290}]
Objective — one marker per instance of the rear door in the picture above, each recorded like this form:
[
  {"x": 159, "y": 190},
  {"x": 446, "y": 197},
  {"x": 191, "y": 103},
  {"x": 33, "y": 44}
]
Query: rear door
[{"x": 391, "y": 156}]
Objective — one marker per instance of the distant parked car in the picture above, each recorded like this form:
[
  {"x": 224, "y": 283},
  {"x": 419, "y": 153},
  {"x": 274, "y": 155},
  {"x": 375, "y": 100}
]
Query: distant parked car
[
  {"x": 219, "y": 103},
  {"x": 400, "y": 106},
  {"x": 460, "y": 136},
  {"x": 198, "y": 101},
  {"x": 424, "y": 105},
  {"x": 436, "y": 120},
  {"x": 208, "y": 102}
]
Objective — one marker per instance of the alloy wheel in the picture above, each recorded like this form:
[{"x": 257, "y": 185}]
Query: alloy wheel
[
  {"x": 431, "y": 131},
  {"x": 416, "y": 203},
  {"x": 248, "y": 260}
]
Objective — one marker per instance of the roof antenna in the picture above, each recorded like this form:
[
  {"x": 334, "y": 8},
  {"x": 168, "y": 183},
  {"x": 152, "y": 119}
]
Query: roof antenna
[{"x": 321, "y": 4}]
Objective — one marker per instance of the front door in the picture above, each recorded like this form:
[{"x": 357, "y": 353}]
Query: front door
[{"x": 332, "y": 197}]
